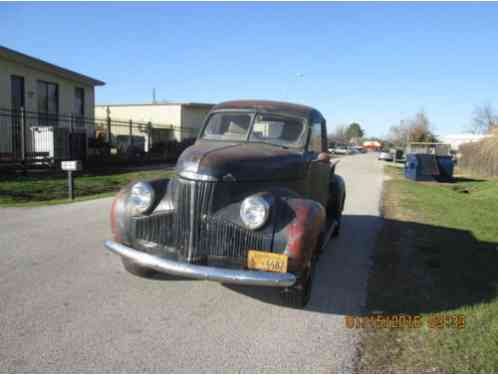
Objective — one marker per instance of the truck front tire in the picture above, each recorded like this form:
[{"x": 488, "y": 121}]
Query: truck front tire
[
  {"x": 136, "y": 269},
  {"x": 298, "y": 296}
]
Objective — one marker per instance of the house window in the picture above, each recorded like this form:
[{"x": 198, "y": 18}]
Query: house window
[
  {"x": 79, "y": 106},
  {"x": 48, "y": 103}
]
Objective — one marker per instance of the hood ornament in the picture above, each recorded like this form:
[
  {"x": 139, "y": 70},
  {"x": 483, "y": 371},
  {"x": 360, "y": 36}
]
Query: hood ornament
[
  {"x": 197, "y": 176},
  {"x": 228, "y": 178}
]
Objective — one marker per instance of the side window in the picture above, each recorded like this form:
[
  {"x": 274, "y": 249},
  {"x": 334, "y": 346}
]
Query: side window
[{"x": 316, "y": 137}]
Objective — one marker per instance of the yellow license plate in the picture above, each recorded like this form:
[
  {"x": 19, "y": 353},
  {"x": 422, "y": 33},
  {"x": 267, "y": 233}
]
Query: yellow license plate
[{"x": 264, "y": 261}]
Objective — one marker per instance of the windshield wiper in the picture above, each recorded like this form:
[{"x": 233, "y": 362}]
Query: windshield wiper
[{"x": 271, "y": 144}]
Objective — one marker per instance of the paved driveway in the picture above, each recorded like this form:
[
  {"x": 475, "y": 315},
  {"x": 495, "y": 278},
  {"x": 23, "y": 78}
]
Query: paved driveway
[{"x": 67, "y": 305}]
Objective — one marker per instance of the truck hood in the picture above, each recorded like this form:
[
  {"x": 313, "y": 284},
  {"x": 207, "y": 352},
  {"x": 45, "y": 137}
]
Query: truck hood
[{"x": 241, "y": 162}]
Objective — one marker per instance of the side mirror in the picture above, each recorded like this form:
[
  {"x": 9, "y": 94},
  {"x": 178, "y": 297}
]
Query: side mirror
[{"x": 323, "y": 157}]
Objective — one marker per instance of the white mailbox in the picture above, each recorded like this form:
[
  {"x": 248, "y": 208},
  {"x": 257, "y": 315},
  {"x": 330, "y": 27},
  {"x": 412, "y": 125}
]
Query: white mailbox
[{"x": 71, "y": 165}]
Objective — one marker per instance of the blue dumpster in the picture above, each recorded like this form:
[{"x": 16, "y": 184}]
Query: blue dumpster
[
  {"x": 428, "y": 167},
  {"x": 446, "y": 166}
]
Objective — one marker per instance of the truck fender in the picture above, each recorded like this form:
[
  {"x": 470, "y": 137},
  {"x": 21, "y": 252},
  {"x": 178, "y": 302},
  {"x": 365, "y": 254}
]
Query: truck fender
[
  {"x": 299, "y": 237},
  {"x": 337, "y": 191}
]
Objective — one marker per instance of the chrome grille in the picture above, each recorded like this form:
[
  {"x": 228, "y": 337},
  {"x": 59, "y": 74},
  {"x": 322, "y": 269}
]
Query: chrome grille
[
  {"x": 193, "y": 203},
  {"x": 220, "y": 238},
  {"x": 155, "y": 228}
]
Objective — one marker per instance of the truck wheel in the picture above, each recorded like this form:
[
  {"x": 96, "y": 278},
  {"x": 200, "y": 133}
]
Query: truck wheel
[
  {"x": 338, "y": 218},
  {"x": 298, "y": 295},
  {"x": 136, "y": 269},
  {"x": 337, "y": 229}
]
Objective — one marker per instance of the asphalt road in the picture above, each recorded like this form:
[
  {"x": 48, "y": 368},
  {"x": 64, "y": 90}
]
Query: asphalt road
[{"x": 67, "y": 305}]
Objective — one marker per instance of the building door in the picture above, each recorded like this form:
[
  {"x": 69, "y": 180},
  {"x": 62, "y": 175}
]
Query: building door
[{"x": 17, "y": 103}]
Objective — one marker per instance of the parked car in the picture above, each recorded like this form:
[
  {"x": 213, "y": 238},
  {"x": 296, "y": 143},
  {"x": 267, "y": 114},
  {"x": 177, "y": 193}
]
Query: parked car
[
  {"x": 360, "y": 149},
  {"x": 386, "y": 156},
  {"x": 254, "y": 201},
  {"x": 342, "y": 150}
]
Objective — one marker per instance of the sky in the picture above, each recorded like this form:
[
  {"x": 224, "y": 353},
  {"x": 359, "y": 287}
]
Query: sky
[{"x": 372, "y": 63}]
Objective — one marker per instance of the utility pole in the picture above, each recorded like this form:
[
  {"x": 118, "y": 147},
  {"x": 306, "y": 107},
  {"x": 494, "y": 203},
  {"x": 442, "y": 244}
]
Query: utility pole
[{"x": 154, "y": 95}]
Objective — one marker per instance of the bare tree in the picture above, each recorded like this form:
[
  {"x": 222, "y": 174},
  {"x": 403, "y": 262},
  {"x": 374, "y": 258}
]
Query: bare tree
[
  {"x": 484, "y": 119},
  {"x": 417, "y": 129},
  {"x": 398, "y": 134},
  {"x": 420, "y": 129}
]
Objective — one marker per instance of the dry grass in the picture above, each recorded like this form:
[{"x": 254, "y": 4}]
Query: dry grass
[{"x": 481, "y": 158}]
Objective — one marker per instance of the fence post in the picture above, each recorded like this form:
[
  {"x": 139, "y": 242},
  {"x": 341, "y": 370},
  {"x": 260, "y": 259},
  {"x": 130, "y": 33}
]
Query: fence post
[
  {"x": 108, "y": 119},
  {"x": 22, "y": 119},
  {"x": 70, "y": 185},
  {"x": 130, "y": 142},
  {"x": 71, "y": 124},
  {"x": 149, "y": 139}
]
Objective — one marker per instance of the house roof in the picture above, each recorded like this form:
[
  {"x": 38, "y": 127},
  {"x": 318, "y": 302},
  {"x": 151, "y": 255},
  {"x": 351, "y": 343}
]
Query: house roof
[
  {"x": 184, "y": 104},
  {"x": 47, "y": 67}
]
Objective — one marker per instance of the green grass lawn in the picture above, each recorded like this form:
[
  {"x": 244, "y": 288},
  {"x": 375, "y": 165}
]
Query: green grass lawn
[
  {"x": 41, "y": 189},
  {"x": 437, "y": 256}
]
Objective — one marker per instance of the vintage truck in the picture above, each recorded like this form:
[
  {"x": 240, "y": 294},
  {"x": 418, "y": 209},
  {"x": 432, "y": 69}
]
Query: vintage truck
[{"x": 254, "y": 201}]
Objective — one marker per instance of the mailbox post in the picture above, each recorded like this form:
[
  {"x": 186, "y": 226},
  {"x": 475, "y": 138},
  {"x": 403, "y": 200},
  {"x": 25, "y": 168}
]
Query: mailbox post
[{"x": 71, "y": 166}]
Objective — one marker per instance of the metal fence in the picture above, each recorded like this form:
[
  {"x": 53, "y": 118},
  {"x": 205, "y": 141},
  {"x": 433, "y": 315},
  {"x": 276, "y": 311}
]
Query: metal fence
[{"x": 32, "y": 138}]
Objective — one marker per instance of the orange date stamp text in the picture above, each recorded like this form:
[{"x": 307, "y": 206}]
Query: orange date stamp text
[{"x": 402, "y": 321}]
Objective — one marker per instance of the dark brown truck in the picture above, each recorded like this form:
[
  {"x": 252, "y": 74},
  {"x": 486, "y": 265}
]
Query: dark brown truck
[{"x": 254, "y": 201}]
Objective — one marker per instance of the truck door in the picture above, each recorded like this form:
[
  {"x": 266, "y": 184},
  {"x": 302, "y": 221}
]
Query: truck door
[{"x": 319, "y": 169}]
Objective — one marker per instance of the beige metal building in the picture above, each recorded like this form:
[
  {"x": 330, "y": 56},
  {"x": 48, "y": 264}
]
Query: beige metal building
[
  {"x": 49, "y": 95},
  {"x": 179, "y": 120}
]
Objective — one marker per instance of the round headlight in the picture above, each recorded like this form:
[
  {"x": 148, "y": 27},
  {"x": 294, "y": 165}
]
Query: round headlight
[
  {"x": 254, "y": 211},
  {"x": 141, "y": 197}
]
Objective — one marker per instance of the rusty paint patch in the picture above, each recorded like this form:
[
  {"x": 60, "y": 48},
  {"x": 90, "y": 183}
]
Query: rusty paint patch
[{"x": 303, "y": 232}]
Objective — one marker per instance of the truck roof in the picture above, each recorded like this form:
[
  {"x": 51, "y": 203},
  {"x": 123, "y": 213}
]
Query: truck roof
[{"x": 266, "y": 105}]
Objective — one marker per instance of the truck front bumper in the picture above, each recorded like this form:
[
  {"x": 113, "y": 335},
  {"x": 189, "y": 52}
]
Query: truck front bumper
[{"x": 222, "y": 275}]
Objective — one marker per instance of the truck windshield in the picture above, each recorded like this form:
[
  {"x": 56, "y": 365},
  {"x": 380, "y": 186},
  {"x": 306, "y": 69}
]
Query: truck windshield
[
  {"x": 228, "y": 126},
  {"x": 266, "y": 128}
]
